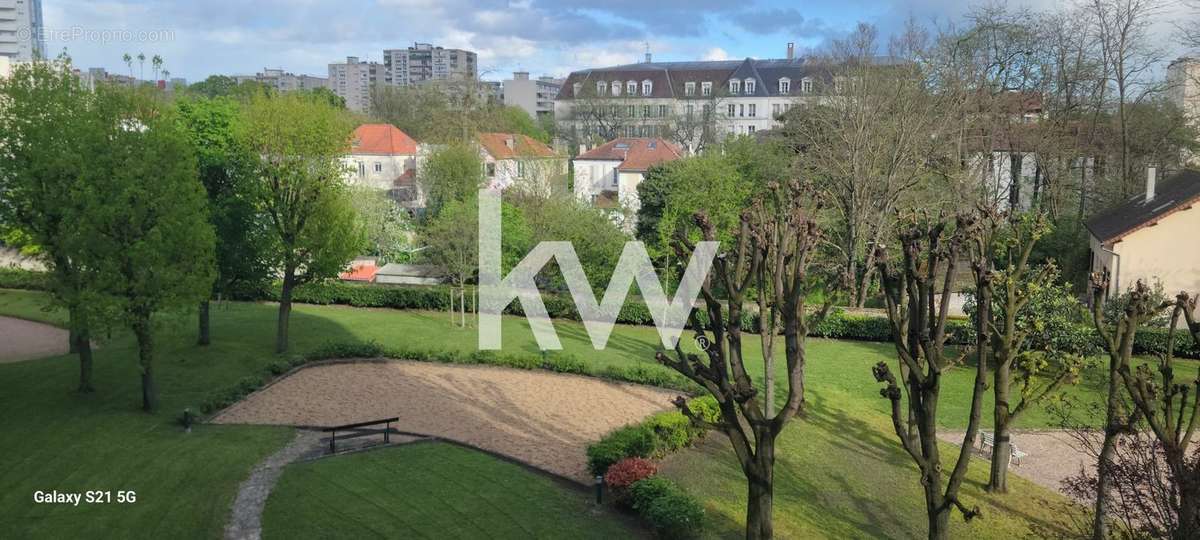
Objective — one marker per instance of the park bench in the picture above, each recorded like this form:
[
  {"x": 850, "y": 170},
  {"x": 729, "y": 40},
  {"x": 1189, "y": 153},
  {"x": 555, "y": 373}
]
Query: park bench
[
  {"x": 360, "y": 429},
  {"x": 988, "y": 441}
]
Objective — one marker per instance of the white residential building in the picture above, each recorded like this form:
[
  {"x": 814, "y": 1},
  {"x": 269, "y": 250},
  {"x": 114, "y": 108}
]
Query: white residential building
[
  {"x": 353, "y": 79},
  {"x": 426, "y": 62},
  {"x": 385, "y": 158},
  {"x": 512, "y": 159},
  {"x": 536, "y": 96},
  {"x": 21, "y": 30},
  {"x": 742, "y": 96},
  {"x": 608, "y": 176},
  {"x": 284, "y": 81}
]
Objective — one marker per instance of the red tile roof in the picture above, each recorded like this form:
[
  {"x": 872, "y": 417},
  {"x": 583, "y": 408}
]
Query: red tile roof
[
  {"x": 634, "y": 153},
  {"x": 363, "y": 271},
  {"x": 513, "y": 145},
  {"x": 383, "y": 139}
]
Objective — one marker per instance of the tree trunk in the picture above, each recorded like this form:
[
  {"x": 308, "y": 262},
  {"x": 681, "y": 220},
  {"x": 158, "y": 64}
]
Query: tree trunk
[
  {"x": 1189, "y": 509},
  {"x": 285, "y": 310},
  {"x": 82, "y": 343},
  {"x": 939, "y": 524},
  {"x": 204, "y": 338},
  {"x": 761, "y": 498},
  {"x": 145, "y": 340},
  {"x": 1001, "y": 443},
  {"x": 72, "y": 336},
  {"x": 1100, "y": 529}
]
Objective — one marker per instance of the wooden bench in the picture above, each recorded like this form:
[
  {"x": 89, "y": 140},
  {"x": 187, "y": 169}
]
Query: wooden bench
[
  {"x": 988, "y": 440},
  {"x": 360, "y": 429}
]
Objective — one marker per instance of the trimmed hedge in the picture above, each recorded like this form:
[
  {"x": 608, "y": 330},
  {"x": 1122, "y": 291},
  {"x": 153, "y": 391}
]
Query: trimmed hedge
[
  {"x": 672, "y": 513},
  {"x": 837, "y": 325},
  {"x": 655, "y": 436}
]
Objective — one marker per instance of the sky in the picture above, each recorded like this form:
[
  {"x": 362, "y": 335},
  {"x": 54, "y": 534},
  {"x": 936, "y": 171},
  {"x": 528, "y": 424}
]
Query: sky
[{"x": 198, "y": 38}]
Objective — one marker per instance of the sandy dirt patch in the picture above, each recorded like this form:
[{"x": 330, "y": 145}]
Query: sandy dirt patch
[
  {"x": 26, "y": 340},
  {"x": 543, "y": 419},
  {"x": 1053, "y": 456}
]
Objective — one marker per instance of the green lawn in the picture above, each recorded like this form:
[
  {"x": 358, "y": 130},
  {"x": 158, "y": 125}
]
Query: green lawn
[
  {"x": 836, "y": 471},
  {"x": 432, "y": 490}
]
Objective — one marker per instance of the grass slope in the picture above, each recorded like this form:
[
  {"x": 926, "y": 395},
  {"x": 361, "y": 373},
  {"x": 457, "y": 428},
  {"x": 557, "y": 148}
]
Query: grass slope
[
  {"x": 845, "y": 459},
  {"x": 430, "y": 490}
]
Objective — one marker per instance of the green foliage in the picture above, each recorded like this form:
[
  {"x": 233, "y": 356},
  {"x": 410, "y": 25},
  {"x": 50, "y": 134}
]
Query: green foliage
[
  {"x": 453, "y": 173},
  {"x": 596, "y": 239},
  {"x": 17, "y": 278},
  {"x": 387, "y": 225},
  {"x": 637, "y": 440},
  {"x": 670, "y": 511},
  {"x": 452, "y": 238}
]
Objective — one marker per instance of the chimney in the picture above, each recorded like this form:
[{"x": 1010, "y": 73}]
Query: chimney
[
  {"x": 1151, "y": 181},
  {"x": 791, "y": 55},
  {"x": 647, "y": 57}
]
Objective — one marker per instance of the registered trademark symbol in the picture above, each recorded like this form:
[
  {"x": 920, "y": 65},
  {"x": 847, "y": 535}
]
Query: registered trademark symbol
[{"x": 703, "y": 342}]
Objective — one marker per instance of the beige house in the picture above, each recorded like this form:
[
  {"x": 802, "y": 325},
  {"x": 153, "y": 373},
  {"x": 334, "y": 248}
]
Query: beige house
[
  {"x": 1155, "y": 236},
  {"x": 384, "y": 158},
  {"x": 608, "y": 176},
  {"x": 515, "y": 160}
]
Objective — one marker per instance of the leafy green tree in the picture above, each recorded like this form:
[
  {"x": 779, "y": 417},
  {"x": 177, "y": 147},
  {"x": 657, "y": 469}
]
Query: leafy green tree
[
  {"x": 452, "y": 173},
  {"x": 387, "y": 225},
  {"x": 315, "y": 230},
  {"x": 597, "y": 240},
  {"x": 226, "y": 170},
  {"x": 452, "y": 238},
  {"x": 327, "y": 95},
  {"x": 144, "y": 227},
  {"x": 43, "y": 109}
]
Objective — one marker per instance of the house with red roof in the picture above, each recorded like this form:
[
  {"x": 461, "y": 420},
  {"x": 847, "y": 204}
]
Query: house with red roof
[
  {"x": 513, "y": 159},
  {"x": 383, "y": 157},
  {"x": 608, "y": 176}
]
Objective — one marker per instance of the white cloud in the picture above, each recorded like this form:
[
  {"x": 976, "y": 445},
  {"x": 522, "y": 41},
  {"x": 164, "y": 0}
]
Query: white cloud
[{"x": 716, "y": 53}]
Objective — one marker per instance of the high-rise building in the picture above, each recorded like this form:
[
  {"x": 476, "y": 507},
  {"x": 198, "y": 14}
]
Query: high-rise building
[
  {"x": 536, "y": 96},
  {"x": 425, "y": 62},
  {"x": 1183, "y": 85},
  {"x": 21, "y": 31},
  {"x": 353, "y": 79},
  {"x": 284, "y": 81}
]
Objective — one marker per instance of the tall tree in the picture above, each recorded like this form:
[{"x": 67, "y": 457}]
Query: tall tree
[
  {"x": 144, "y": 222},
  {"x": 769, "y": 254},
  {"x": 315, "y": 230},
  {"x": 225, "y": 169},
  {"x": 917, "y": 292},
  {"x": 452, "y": 173},
  {"x": 42, "y": 112}
]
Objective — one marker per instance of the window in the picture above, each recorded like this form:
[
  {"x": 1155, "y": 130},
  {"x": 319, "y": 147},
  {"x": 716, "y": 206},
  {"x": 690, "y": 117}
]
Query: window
[
  {"x": 616, "y": 177},
  {"x": 662, "y": 111},
  {"x": 749, "y": 86},
  {"x": 707, "y": 109},
  {"x": 632, "y": 110},
  {"x": 631, "y": 88},
  {"x": 775, "y": 110},
  {"x": 362, "y": 169},
  {"x": 706, "y": 89},
  {"x": 732, "y": 110},
  {"x": 616, "y": 88},
  {"x": 520, "y": 169},
  {"x": 689, "y": 88},
  {"x": 735, "y": 87},
  {"x": 647, "y": 87},
  {"x": 753, "y": 110},
  {"x": 577, "y": 88},
  {"x": 785, "y": 85},
  {"x": 378, "y": 167},
  {"x": 691, "y": 109},
  {"x": 491, "y": 170},
  {"x": 742, "y": 110},
  {"x": 750, "y": 130},
  {"x": 646, "y": 112},
  {"x": 600, "y": 86},
  {"x": 806, "y": 85}
]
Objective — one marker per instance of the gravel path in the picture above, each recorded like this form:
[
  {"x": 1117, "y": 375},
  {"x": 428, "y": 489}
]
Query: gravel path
[
  {"x": 26, "y": 340},
  {"x": 540, "y": 418},
  {"x": 1053, "y": 456}
]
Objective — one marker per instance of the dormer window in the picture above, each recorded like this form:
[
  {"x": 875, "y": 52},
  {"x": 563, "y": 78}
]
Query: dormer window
[
  {"x": 647, "y": 87},
  {"x": 689, "y": 88},
  {"x": 600, "y": 87},
  {"x": 631, "y": 88},
  {"x": 749, "y": 86},
  {"x": 706, "y": 88},
  {"x": 806, "y": 85},
  {"x": 785, "y": 86},
  {"x": 577, "y": 88},
  {"x": 735, "y": 87},
  {"x": 616, "y": 88}
]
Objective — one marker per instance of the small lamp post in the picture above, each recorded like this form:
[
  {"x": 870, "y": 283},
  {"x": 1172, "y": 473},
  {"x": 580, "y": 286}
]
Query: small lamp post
[{"x": 599, "y": 490}]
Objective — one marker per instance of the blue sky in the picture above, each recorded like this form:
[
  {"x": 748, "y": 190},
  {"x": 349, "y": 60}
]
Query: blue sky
[{"x": 198, "y": 38}]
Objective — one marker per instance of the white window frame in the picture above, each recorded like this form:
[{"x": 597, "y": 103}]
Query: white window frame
[
  {"x": 647, "y": 87},
  {"x": 577, "y": 88},
  {"x": 732, "y": 110},
  {"x": 735, "y": 87},
  {"x": 748, "y": 86},
  {"x": 601, "y": 88},
  {"x": 631, "y": 88},
  {"x": 616, "y": 88},
  {"x": 753, "y": 111},
  {"x": 806, "y": 85},
  {"x": 706, "y": 88},
  {"x": 689, "y": 88},
  {"x": 785, "y": 86}
]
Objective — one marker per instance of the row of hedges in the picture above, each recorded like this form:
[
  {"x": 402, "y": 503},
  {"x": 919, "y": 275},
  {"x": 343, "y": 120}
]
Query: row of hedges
[
  {"x": 654, "y": 437},
  {"x": 561, "y": 363},
  {"x": 837, "y": 325}
]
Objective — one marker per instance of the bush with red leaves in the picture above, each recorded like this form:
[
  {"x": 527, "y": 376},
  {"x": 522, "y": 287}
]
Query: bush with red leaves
[{"x": 624, "y": 473}]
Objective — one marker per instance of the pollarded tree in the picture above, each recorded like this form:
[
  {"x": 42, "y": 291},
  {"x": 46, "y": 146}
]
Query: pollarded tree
[
  {"x": 42, "y": 109},
  {"x": 918, "y": 304},
  {"x": 226, "y": 170},
  {"x": 144, "y": 225},
  {"x": 1029, "y": 326},
  {"x": 315, "y": 230},
  {"x": 769, "y": 254}
]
